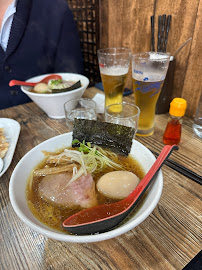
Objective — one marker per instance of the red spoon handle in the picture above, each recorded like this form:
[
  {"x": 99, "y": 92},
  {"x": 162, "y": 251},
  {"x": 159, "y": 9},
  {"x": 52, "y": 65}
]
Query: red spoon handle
[
  {"x": 44, "y": 80},
  {"x": 14, "y": 82},
  {"x": 146, "y": 181}
]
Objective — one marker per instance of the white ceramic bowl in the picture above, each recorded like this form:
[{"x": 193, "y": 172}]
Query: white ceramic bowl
[
  {"x": 33, "y": 157},
  {"x": 53, "y": 104}
]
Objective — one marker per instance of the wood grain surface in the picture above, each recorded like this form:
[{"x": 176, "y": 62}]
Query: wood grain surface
[
  {"x": 168, "y": 239},
  {"x": 126, "y": 23}
]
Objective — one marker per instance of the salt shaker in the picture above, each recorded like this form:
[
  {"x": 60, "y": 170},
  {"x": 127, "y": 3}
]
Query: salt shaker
[{"x": 197, "y": 125}]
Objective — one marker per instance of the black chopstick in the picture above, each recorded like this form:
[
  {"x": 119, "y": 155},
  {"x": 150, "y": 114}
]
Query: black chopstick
[
  {"x": 163, "y": 32},
  {"x": 152, "y": 34},
  {"x": 159, "y": 34},
  {"x": 181, "y": 169},
  {"x": 167, "y": 30}
]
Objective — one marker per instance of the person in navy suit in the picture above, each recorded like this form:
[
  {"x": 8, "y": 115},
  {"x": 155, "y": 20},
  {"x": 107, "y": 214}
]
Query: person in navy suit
[{"x": 37, "y": 37}]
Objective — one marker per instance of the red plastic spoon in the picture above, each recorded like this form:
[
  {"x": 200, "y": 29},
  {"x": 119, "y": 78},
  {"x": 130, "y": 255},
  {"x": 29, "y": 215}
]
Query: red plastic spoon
[
  {"x": 45, "y": 80},
  {"x": 102, "y": 218}
]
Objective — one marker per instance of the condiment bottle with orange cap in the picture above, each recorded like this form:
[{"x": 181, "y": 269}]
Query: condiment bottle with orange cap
[{"x": 172, "y": 134}]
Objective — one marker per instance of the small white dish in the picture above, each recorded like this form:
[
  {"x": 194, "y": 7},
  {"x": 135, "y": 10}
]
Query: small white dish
[
  {"x": 1, "y": 164},
  {"x": 11, "y": 131},
  {"x": 18, "y": 182}
]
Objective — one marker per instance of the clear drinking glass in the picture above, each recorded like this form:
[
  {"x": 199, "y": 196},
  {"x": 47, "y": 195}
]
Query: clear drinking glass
[
  {"x": 148, "y": 71},
  {"x": 124, "y": 113},
  {"x": 82, "y": 108},
  {"x": 114, "y": 65}
]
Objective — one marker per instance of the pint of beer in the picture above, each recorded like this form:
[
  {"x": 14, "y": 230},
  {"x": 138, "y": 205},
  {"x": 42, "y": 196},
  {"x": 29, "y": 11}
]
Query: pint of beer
[
  {"x": 113, "y": 80},
  {"x": 148, "y": 71},
  {"x": 114, "y": 65}
]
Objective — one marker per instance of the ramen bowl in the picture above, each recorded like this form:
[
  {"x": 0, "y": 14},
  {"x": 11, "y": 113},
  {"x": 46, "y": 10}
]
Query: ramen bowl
[
  {"x": 18, "y": 182},
  {"x": 53, "y": 104}
]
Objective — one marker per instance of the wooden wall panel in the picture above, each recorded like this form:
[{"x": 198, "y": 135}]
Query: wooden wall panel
[
  {"x": 128, "y": 25},
  {"x": 104, "y": 24},
  {"x": 184, "y": 20},
  {"x": 193, "y": 79}
]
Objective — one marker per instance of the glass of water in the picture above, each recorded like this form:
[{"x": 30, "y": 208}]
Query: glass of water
[
  {"x": 82, "y": 108},
  {"x": 124, "y": 113}
]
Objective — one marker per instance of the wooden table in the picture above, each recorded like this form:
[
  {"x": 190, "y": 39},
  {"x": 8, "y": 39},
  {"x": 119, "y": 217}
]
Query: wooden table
[{"x": 168, "y": 239}]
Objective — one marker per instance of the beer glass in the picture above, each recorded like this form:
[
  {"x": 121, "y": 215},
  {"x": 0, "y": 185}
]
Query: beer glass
[
  {"x": 148, "y": 72},
  {"x": 114, "y": 65}
]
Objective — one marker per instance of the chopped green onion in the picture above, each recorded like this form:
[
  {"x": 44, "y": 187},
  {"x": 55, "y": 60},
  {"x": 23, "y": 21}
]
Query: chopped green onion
[
  {"x": 55, "y": 82},
  {"x": 90, "y": 159},
  {"x": 99, "y": 157}
]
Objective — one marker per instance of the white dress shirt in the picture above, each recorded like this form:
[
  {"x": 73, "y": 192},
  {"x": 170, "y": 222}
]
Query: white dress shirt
[{"x": 6, "y": 25}]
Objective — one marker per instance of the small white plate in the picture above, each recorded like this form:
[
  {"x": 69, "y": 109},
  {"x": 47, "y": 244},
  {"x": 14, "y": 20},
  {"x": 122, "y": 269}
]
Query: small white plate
[{"x": 11, "y": 132}]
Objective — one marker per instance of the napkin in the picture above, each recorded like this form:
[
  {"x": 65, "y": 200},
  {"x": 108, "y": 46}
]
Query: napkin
[{"x": 99, "y": 99}]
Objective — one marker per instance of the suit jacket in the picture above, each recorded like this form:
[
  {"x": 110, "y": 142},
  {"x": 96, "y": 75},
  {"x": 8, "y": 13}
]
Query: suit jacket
[{"x": 43, "y": 39}]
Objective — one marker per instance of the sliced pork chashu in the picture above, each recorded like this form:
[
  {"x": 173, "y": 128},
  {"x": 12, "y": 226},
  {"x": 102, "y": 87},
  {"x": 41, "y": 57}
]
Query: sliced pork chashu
[{"x": 81, "y": 192}]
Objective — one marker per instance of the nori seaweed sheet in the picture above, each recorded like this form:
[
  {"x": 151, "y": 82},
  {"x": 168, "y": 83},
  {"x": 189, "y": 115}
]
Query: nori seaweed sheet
[
  {"x": 70, "y": 88},
  {"x": 112, "y": 136}
]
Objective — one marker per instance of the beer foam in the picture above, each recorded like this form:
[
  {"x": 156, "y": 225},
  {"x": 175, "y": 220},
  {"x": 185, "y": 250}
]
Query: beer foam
[
  {"x": 114, "y": 71},
  {"x": 157, "y": 56}
]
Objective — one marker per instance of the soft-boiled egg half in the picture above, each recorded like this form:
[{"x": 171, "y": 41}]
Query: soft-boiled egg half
[
  {"x": 41, "y": 88},
  {"x": 117, "y": 184}
]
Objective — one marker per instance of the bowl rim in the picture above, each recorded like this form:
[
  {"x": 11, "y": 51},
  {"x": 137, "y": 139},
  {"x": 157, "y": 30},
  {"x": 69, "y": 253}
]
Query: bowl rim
[
  {"x": 40, "y": 77},
  {"x": 48, "y": 232}
]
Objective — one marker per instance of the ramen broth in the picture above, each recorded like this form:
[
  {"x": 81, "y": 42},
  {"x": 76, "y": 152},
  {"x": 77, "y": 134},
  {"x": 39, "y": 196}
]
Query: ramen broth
[{"x": 52, "y": 214}]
